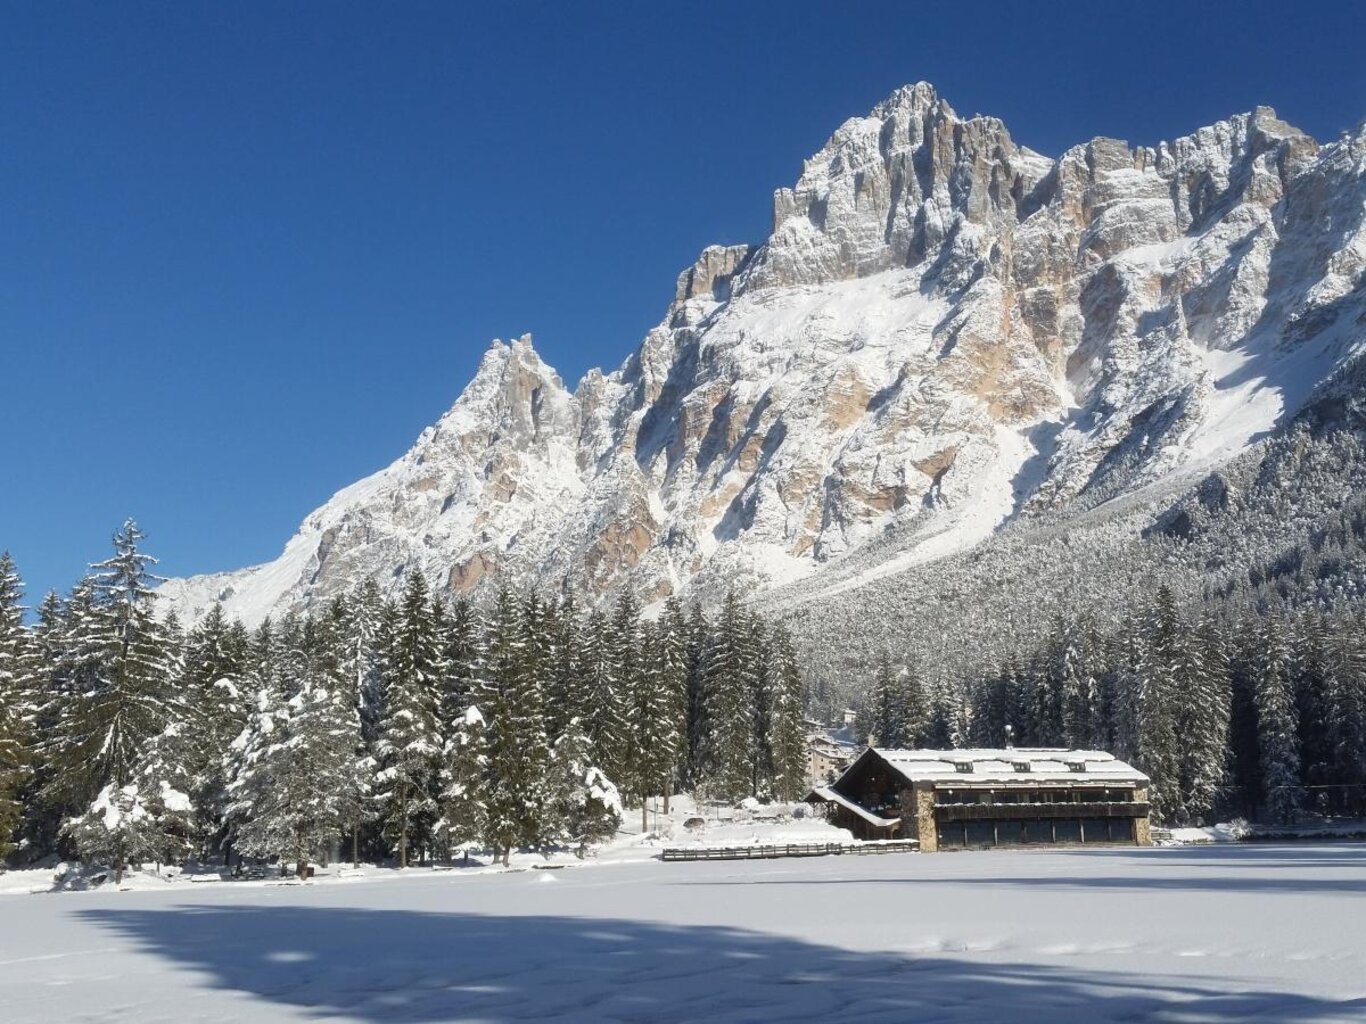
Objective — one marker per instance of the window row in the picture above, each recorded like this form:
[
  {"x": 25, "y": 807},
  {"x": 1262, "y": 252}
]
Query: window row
[
  {"x": 954, "y": 797},
  {"x": 966, "y": 834}
]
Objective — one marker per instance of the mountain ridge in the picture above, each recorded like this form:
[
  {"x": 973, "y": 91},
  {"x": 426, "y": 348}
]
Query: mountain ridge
[{"x": 944, "y": 332}]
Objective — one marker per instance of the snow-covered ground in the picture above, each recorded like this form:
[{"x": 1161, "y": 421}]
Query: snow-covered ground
[{"x": 1211, "y": 933}]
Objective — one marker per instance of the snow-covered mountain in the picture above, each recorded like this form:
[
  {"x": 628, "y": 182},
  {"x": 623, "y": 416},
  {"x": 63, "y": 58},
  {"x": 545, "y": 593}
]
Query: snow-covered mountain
[{"x": 944, "y": 332}]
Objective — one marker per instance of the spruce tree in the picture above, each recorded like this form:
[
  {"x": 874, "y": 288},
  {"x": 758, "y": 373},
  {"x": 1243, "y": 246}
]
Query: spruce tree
[
  {"x": 298, "y": 783},
  {"x": 1277, "y": 741},
  {"x": 366, "y": 621},
  {"x": 1157, "y": 751},
  {"x": 668, "y": 669},
  {"x": 887, "y": 724},
  {"x": 648, "y": 755},
  {"x": 598, "y": 703},
  {"x": 564, "y": 687},
  {"x": 511, "y": 699},
  {"x": 915, "y": 707},
  {"x": 464, "y": 813},
  {"x": 695, "y": 635},
  {"x": 586, "y": 806},
  {"x": 1346, "y": 671},
  {"x": 409, "y": 747},
  {"x": 122, "y": 692},
  {"x": 727, "y": 761},
  {"x": 16, "y": 708},
  {"x": 787, "y": 726},
  {"x": 1202, "y": 699},
  {"x": 213, "y": 683},
  {"x": 461, "y": 654},
  {"x": 127, "y": 825}
]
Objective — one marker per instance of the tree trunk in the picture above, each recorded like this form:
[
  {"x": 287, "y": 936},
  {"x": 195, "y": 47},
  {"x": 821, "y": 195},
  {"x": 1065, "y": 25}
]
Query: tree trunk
[
  {"x": 355, "y": 846},
  {"x": 668, "y": 792},
  {"x": 644, "y": 814}
]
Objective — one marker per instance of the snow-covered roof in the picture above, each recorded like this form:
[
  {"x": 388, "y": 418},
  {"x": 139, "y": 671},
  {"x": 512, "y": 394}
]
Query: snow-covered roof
[
  {"x": 1009, "y": 765},
  {"x": 829, "y": 795}
]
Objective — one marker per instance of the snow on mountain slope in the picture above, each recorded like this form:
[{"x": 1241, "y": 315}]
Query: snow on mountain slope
[{"x": 944, "y": 332}]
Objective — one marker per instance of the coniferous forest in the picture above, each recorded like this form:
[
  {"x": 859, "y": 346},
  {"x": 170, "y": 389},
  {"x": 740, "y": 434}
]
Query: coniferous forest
[
  {"x": 1254, "y": 715},
  {"x": 401, "y": 730},
  {"x": 411, "y": 728}
]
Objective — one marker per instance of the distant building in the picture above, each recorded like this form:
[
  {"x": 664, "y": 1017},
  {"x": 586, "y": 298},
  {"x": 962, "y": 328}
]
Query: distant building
[
  {"x": 962, "y": 799},
  {"x": 826, "y": 756}
]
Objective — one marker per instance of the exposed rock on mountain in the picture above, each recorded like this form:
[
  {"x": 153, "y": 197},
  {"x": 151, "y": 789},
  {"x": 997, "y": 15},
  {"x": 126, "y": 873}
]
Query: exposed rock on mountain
[{"x": 945, "y": 331}]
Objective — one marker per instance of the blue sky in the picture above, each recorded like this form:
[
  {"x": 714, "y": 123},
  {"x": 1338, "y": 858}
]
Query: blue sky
[{"x": 248, "y": 250}]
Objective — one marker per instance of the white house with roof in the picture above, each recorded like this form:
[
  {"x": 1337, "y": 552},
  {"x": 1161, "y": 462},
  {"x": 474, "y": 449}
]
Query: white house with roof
[{"x": 963, "y": 799}]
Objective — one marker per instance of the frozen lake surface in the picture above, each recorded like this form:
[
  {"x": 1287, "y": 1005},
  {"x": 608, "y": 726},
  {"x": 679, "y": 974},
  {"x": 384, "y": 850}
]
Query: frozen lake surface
[{"x": 1194, "y": 934}]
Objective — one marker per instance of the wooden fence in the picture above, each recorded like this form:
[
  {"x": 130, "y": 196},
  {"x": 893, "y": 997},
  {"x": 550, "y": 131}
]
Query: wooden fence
[{"x": 789, "y": 850}]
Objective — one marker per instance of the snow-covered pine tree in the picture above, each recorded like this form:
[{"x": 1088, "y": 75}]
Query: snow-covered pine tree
[
  {"x": 695, "y": 636},
  {"x": 364, "y": 629},
  {"x": 122, "y": 691},
  {"x": 887, "y": 722},
  {"x": 942, "y": 728},
  {"x": 1157, "y": 752},
  {"x": 264, "y": 656},
  {"x": 1309, "y": 682},
  {"x": 1201, "y": 697},
  {"x": 461, "y": 654},
  {"x": 915, "y": 706},
  {"x": 213, "y": 684},
  {"x": 49, "y": 690},
  {"x": 16, "y": 707},
  {"x": 409, "y": 747},
  {"x": 1244, "y": 760},
  {"x": 1076, "y": 686},
  {"x": 648, "y": 756},
  {"x": 597, "y": 701},
  {"x": 126, "y": 825},
  {"x": 756, "y": 654},
  {"x": 300, "y": 785},
  {"x": 586, "y": 805},
  {"x": 519, "y": 754},
  {"x": 668, "y": 667},
  {"x": 351, "y": 780},
  {"x": 464, "y": 813},
  {"x": 624, "y": 652},
  {"x": 1346, "y": 671},
  {"x": 786, "y": 722},
  {"x": 564, "y": 686},
  {"x": 727, "y": 762},
  {"x": 1277, "y": 740}
]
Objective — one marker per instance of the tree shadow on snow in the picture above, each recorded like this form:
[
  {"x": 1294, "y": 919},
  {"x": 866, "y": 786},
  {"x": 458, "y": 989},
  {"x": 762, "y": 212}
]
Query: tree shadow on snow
[{"x": 404, "y": 966}]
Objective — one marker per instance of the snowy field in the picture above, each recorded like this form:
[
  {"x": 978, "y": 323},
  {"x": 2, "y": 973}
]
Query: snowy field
[{"x": 1212, "y": 933}]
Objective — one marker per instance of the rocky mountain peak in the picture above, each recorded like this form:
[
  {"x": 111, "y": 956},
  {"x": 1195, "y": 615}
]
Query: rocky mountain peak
[{"x": 945, "y": 333}]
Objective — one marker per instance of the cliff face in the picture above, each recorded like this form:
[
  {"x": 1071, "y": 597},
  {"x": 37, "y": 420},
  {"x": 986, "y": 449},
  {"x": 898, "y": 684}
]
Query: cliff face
[{"x": 944, "y": 331}]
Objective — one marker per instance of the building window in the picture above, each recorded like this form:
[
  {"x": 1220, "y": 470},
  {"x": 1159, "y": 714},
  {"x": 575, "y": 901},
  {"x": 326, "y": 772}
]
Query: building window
[
  {"x": 980, "y": 833},
  {"x": 951, "y": 835},
  {"x": 1095, "y": 830},
  {"x": 1067, "y": 830},
  {"x": 1010, "y": 833}
]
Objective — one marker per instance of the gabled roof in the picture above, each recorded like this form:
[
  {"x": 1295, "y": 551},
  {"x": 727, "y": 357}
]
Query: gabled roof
[
  {"x": 1017, "y": 765},
  {"x": 827, "y": 794}
]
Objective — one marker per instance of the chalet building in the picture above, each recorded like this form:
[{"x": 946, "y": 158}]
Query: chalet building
[{"x": 969, "y": 799}]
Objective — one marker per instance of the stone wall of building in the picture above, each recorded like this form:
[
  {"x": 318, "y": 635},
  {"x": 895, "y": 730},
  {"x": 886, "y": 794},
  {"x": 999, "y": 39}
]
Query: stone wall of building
[{"x": 1143, "y": 834}]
